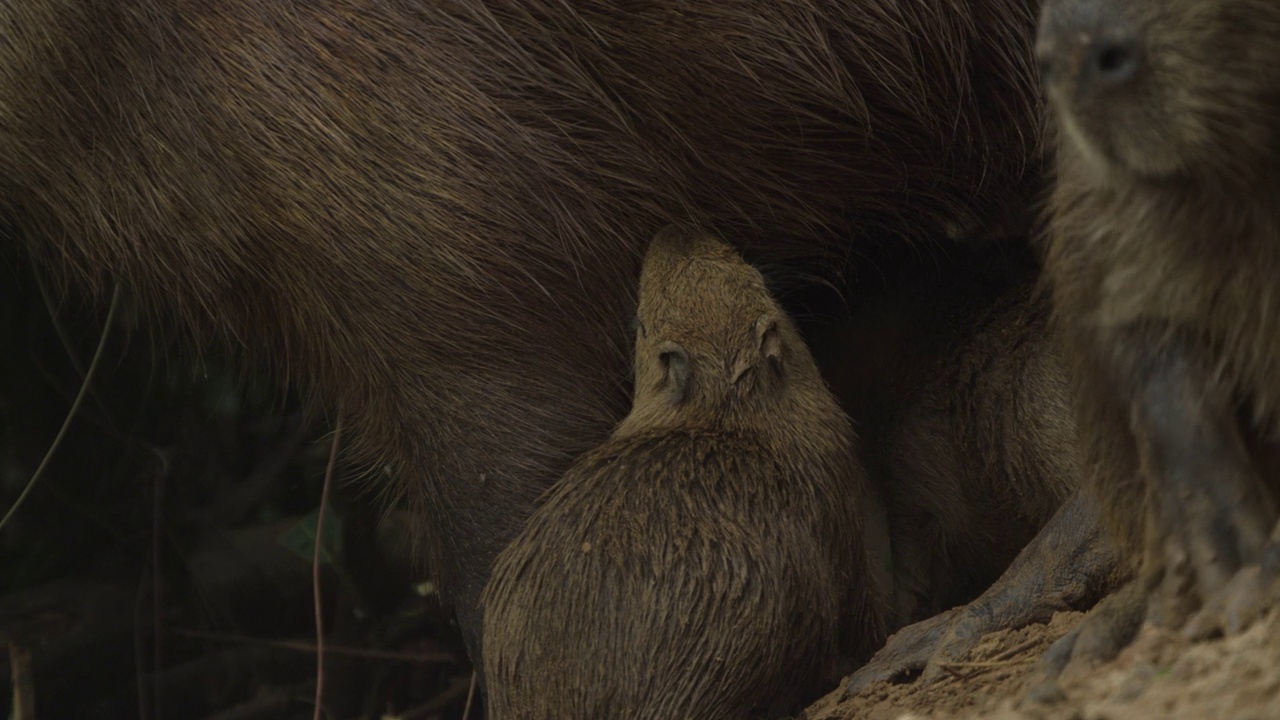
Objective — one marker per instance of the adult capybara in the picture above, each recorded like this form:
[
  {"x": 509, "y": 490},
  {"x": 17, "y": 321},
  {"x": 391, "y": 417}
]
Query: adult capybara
[
  {"x": 430, "y": 215},
  {"x": 961, "y": 401},
  {"x": 1164, "y": 261},
  {"x": 708, "y": 560}
]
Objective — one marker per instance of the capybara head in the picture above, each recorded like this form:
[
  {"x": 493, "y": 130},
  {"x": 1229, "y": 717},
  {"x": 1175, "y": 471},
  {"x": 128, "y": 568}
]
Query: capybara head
[
  {"x": 1164, "y": 89},
  {"x": 710, "y": 340}
]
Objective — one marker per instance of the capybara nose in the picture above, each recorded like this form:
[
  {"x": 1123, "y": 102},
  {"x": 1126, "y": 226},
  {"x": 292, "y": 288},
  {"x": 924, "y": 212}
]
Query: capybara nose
[{"x": 1089, "y": 44}]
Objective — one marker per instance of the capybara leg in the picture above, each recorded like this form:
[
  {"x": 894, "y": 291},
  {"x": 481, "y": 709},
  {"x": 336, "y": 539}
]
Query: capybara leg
[
  {"x": 1069, "y": 565},
  {"x": 1209, "y": 513}
]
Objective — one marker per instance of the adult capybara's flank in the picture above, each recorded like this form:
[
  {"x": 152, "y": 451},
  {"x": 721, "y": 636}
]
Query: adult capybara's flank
[
  {"x": 431, "y": 214},
  {"x": 1164, "y": 260},
  {"x": 708, "y": 560}
]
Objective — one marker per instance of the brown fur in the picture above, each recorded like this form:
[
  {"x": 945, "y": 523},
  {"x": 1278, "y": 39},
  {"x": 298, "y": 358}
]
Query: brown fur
[
  {"x": 707, "y": 560},
  {"x": 952, "y": 378},
  {"x": 1164, "y": 261},
  {"x": 431, "y": 214}
]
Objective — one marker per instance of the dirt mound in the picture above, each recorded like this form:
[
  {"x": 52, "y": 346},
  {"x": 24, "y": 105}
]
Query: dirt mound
[{"x": 1160, "y": 676}]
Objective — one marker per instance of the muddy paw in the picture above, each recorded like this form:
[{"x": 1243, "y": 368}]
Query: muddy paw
[
  {"x": 1237, "y": 606},
  {"x": 1107, "y": 630},
  {"x": 904, "y": 656},
  {"x": 969, "y": 626},
  {"x": 923, "y": 652},
  {"x": 1068, "y": 565}
]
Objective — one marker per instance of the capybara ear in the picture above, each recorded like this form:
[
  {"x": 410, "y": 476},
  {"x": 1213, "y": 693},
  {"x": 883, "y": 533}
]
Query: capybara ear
[
  {"x": 769, "y": 342},
  {"x": 767, "y": 349},
  {"x": 675, "y": 368}
]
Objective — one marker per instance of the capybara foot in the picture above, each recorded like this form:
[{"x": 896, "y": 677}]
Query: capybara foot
[
  {"x": 1069, "y": 564},
  {"x": 906, "y": 653},
  {"x": 1107, "y": 630},
  {"x": 1249, "y": 594}
]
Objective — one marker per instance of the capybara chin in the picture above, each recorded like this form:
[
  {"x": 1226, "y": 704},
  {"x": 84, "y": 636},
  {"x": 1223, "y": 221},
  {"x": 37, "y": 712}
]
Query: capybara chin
[
  {"x": 431, "y": 214},
  {"x": 707, "y": 560},
  {"x": 1164, "y": 261}
]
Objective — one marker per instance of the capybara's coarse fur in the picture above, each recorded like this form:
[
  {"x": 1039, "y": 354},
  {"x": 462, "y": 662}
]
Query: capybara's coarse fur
[
  {"x": 1164, "y": 260},
  {"x": 707, "y": 560},
  {"x": 431, "y": 214},
  {"x": 960, "y": 398}
]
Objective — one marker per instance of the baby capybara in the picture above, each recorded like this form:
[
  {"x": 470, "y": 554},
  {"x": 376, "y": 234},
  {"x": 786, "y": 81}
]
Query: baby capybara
[
  {"x": 707, "y": 560},
  {"x": 973, "y": 443},
  {"x": 961, "y": 400},
  {"x": 429, "y": 215},
  {"x": 1164, "y": 261}
]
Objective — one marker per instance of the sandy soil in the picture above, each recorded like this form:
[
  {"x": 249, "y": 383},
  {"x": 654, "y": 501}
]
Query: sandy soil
[{"x": 1159, "y": 676}]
